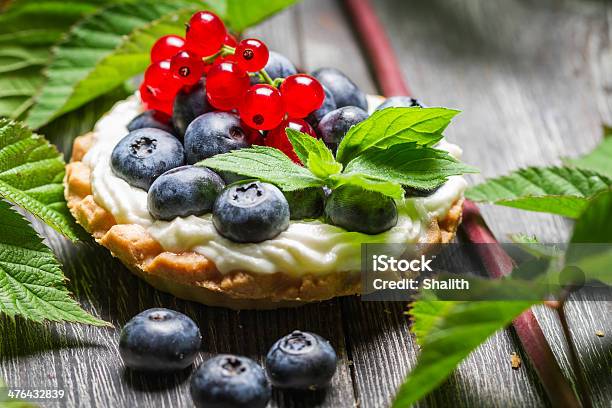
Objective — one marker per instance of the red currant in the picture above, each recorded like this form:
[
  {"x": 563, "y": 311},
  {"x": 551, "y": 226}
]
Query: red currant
[
  {"x": 205, "y": 33},
  {"x": 149, "y": 101},
  {"x": 187, "y": 67},
  {"x": 159, "y": 80},
  {"x": 230, "y": 40},
  {"x": 166, "y": 47},
  {"x": 262, "y": 107},
  {"x": 252, "y": 54},
  {"x": 226, "y": 85},
  {"x": 302, "y": 95},
  {"x": 253, "y": 136},
  {"x": 277, "y": 137}
]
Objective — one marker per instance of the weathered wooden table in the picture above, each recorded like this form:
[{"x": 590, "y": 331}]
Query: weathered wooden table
[{"x": 534, "y": 81}]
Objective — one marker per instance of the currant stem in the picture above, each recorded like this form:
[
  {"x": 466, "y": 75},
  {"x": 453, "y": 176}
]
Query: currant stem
[
  {"x": 583, "y": 392},
  {"x": 266, "y": 77}
]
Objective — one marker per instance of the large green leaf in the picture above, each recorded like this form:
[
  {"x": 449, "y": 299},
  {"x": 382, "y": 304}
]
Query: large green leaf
[
  {"x": 448, "y": 332},
  {"x": 31, "y": 281},
  {"x": 408, "y": 164},
  {"x": 557, "y": 190},
  {"x": 395, "y": 125},
  {"x": 266, "y": 164},
  {"x": 600, "y": 159},
  {"x": 241, "y": 14},
  {"x": 28, "y": 29},
  {"x": 111, "y": 46},
  {"x": 31, "y": 173},
  {"x": 87, "y": 44},
  {"x": 595, "y": 223}
]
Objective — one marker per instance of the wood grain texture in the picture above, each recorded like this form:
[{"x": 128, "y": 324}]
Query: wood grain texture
[{"x": 533, "y": 79}]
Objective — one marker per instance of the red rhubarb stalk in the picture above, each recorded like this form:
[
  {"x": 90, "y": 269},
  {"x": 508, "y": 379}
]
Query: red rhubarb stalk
[{"x": 495, "y": 260}]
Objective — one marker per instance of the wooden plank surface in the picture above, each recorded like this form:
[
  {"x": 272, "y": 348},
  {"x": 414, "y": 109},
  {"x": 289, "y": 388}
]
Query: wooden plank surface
[{"x": 533, "y": 79}]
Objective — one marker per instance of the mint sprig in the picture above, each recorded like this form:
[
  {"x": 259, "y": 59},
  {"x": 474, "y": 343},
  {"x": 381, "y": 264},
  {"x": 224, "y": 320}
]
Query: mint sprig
[
  {"x": 401, "y": 163},
  {"x": 388, "y": 127}
]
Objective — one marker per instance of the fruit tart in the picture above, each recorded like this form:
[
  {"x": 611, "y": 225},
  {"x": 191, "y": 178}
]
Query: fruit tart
[{"x": 234, "y": 180}]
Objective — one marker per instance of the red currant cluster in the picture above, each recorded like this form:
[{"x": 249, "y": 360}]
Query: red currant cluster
[{"x": 209, "y": 50}]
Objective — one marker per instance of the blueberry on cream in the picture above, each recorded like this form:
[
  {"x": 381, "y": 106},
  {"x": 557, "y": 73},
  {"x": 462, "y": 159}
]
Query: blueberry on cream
[
  {"x": 251, "y": 211},
  {"x": 184, "y": 191},
  {"x": 145, "y": 154}
]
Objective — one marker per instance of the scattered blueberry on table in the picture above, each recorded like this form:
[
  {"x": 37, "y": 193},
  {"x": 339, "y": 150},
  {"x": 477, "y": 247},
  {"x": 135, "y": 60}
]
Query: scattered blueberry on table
[
  {"x": 301, "y": 361},
  {"x": 228, "y": 381},
  {"x": 159, "y": 340}
]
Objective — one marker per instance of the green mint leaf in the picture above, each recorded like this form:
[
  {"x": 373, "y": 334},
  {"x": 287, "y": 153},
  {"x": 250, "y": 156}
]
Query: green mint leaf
[
  {"x": 31, "y": 282},
  {"x": 266, "y": 164},
  {"x": 88, "y": 43},
  {"x": 395, "y": 125},
  {"x": 28, "y": 30},
  {"x": 388, "y": 188},
  {"x": 599, "y": 160},
  {"x": 313, "y": 154},
  {"x": 31, "y": 174},
  {"x": 448, "y": 331},
  {"x": 408, "y": 164},
  {"x": 556, "y": 190}
]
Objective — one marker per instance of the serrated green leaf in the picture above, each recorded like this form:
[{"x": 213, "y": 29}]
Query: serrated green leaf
[
  {"x": 387, "y": 127},
  {"x": 408, "y": 164},
  {"x": 87, "y": 44},
  {"x": 241, "y": 14},
  {"x": 112, "y": 45},
  {"x": 448, "y": 332},
  {"x": 557, "y": 190},
  {"x": 31, "y": 174},
  {"x": 388, "y": 188},
  {"x": 595, "y": 224},
  {"x": 31, "y": 282},
  {"x": 313, "y": 154},
  {"x": 28, "y": 29},
  {"x": 266, "y": 164},
  {"x": 600, "y": 159}
]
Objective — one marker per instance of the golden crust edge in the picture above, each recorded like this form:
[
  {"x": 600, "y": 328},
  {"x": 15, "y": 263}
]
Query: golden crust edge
[{"x": 191, "y": 276}]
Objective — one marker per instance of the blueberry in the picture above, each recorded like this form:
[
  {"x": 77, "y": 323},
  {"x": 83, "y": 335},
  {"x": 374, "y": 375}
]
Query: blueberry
[
  {"x": 189, "y": 103},
  {"x": 356, "y": 209},
  {"x": 302, "y": 361},
  {"x": 213, "y": 133},
  {"x": 345, "y": 92},
  {"x": 145, "y": 154},
  {"x": 159, "y": 340},
  {"x": 400, "y": 102},
  {"x": 228, "y": 381},
  {"x": 184, "y": 191},
  {"x": 152, "y": 119},
  {"x": 329, "y": 104},
  {"x": 416, "y": 192},
  {"x": 278, "y": 66},
  {"x": 251, "y": 211},
  {"x": 306, "y": 203},
  {"x": 334, "y": 125}
]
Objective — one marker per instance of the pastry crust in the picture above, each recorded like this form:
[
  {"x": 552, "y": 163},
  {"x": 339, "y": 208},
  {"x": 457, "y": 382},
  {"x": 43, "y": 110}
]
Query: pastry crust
[{"x": 192, "y": 276}]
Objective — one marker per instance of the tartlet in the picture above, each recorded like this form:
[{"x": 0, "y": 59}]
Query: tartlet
[{"x": 191, "y": 275}]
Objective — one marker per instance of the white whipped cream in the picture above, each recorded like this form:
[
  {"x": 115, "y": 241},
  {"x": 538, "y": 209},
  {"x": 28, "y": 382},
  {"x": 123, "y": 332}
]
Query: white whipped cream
[{"x": 305, "y": 247}]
